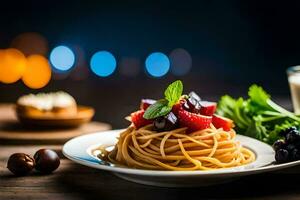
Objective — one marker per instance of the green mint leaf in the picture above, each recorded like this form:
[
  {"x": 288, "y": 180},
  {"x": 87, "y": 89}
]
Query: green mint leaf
[
  {"x": 160, "y": 108},
  {"x": 174, "y": 92}
]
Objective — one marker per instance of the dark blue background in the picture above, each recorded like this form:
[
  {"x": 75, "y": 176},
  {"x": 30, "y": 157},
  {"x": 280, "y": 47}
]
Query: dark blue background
[{"x": 233, "y": 44}]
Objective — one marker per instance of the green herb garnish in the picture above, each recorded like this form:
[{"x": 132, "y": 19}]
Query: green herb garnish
[
  {"x": 164, "y": 106},
  {"x": 258, "y": 116}
]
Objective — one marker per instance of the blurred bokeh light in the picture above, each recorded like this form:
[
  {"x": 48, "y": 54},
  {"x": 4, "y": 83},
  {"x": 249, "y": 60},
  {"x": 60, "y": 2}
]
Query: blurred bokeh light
[
  {"x": 12, "y": 65},
  {"x": 129, "y": 66},
  {"x": 157, "y": 64},
  {"x": 181, "y": 62},
  {"x": 62, "y": 58},
  {"x": 37, "y": 73},
  {"x": 103, "y": 63},
  {"x": 31, "y": 43},
  {"x": 80, "y": 70}
]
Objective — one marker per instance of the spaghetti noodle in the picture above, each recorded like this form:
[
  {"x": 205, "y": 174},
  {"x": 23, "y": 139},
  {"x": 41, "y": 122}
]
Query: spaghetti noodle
[{"x": 177, "y": 150}]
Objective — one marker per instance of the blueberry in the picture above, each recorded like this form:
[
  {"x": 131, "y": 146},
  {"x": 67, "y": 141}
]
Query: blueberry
[
  {"x": 284, "y": 132},
  {"x": 282, "y": 156},
  {"x": 293, "y": 136},
  {"x": 290, "y": 147},
  {"x": 297, "y": 144},
  {"x": 295, "y": 155},
  {"x": 279, "y": 144},
  {"x": 166, "y": 123}
]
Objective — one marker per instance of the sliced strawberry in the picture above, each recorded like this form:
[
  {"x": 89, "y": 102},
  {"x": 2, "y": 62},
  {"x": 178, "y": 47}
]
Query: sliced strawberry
[
  {"x": 145, "y": 103},
  {"x": 208, "y": 108},
  {"x": 178, "y": 106},
  {"x": 138, "y": 120},
  {"x": 193, "y": 121},
  {"x": 222, "y": 122}
]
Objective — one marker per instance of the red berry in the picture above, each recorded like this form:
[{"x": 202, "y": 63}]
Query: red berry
[
  {"x": 145, "y": 103},
  {"x": 138, "y": 120},
  {"x": 193, "y": 121},
  {"x": 222, "y": 122},
  {"x": 208, "y": 108},
  {"x": 178, "y": 106}
]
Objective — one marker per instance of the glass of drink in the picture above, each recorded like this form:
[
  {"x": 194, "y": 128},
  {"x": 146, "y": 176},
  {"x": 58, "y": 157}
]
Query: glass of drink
[{"x": 294, "y": 82}]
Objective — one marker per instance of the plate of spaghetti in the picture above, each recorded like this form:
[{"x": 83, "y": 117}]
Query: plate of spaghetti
[{"x": 175, "y": 141}]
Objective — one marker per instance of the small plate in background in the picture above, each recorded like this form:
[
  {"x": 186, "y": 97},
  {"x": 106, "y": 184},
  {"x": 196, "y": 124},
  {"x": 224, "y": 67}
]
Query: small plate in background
[{"x": 84, "y": 115}]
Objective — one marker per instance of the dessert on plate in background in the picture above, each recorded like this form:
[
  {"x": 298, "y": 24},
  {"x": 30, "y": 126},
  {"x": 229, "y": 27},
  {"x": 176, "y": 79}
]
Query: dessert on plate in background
[{"x": 52, "y": 109}]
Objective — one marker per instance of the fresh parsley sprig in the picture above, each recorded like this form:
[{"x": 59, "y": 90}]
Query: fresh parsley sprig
[{"x": 163, "y": 106}]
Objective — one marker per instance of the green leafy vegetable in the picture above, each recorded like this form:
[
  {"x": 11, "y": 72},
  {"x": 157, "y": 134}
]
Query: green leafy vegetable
[
  {"x": 258, "y": 116},
  {"x": 164, "y": 106}
]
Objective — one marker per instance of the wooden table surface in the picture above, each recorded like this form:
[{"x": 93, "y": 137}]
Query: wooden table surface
[{"x": 73, "y": 181}]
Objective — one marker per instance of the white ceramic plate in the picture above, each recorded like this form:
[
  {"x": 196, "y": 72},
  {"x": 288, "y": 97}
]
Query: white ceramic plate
[{"x": 79, "y": 150}]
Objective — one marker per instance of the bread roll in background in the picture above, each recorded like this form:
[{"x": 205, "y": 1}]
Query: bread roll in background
[{"x": 47, "y": 104}]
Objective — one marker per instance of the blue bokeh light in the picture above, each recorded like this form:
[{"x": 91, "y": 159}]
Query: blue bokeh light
[
  {"x": 157, "y": 64},
  {"x": 103, "y": 63},
  {"x": 62, "y": 58}
]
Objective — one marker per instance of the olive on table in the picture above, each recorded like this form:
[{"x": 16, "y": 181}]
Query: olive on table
[
  {"x": 46, "y": 160},
  {"x": 20, "y": 164}
]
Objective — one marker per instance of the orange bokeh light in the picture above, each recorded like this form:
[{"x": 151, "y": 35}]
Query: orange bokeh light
[
  {"x": 37, "y": 73},
  {"x": 12, "y": 65}
]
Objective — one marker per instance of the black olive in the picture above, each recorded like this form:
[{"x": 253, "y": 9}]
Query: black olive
[
  {"x": 20, "y": 164},
  {"x": 46, "y": 160}
]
